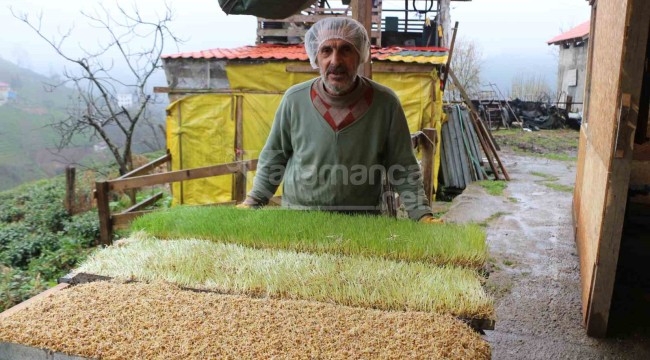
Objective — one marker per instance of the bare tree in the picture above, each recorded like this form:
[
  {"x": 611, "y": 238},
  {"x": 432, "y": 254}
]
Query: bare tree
[
  {"x": 134, "y": 44},
  {"x": 466, "y": 63},
  {"x": 531, "y": 87}
]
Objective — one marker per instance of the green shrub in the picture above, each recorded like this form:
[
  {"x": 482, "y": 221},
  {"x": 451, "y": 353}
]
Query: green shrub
[{"x": 83, "y": 227}]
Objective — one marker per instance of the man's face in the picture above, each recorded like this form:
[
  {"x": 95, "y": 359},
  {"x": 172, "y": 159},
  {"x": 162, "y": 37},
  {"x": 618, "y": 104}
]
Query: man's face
[{"x": 338, "y": 62}]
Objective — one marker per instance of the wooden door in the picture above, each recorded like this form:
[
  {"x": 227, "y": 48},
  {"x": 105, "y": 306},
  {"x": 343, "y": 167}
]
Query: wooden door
[{"x": 617, "y": 41}]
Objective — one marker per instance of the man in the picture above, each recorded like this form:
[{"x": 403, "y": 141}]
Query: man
[{"x": 336, "y": 136}]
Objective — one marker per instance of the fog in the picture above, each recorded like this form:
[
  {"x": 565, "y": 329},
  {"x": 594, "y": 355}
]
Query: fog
[{"x": 511, "y": 33}]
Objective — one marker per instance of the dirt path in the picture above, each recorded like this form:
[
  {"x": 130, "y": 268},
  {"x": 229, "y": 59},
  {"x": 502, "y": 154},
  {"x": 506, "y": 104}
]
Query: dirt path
[{"x": 535, "y": 275}]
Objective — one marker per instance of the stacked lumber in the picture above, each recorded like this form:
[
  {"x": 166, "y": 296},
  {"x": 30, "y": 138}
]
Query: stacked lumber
[{"x": 461, "y": 160}]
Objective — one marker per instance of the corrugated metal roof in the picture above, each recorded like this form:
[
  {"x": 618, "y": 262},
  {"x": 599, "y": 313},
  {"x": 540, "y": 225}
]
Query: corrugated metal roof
[
  {"x": 578, "y": 32},
  {"x": 297, "y": 52}
]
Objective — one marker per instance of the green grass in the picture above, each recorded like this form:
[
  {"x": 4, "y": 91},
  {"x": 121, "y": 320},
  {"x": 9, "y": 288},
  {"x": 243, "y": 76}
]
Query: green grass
[
  {"x": 322, "y": 232},
  {"x": 352, "y": 281},
  {"x": 545, "y": 176},
  {"x": 548, "y": 182},
  {"x": 492, "y": 217},
  {"x": 493, "y": 187},
  {"x": 559, "y": 187},
  {"x": 561, "y": 157}
]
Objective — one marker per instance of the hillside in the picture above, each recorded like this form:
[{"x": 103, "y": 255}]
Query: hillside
[{"x": 28, "y": 144}]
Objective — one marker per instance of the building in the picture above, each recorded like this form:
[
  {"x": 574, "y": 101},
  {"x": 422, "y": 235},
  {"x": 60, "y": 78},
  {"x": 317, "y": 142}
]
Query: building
[
  {"x": 5, "y": 89},
  {"x": 125, "y": 100},
  {"x": 572, "y": 68}
]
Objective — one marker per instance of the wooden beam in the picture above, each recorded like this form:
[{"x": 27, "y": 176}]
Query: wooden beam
[
  {"x": 144, "y": 203},
  {"x": 310, "y": 18},
  {"x": 476, "y": 121},
  {"x": 362, "y": 12},
  {"x": 635, "y": 25},
  {"x": 378, "y": 67},
  {"x": 70, "y": 193},
  {"x": 451, "y": 53},
  {"x": 104, "y": 212},
  {"x": 25, "y": 304},
  {"x": 168, "y": 90},
  {"x": 180, "y": 175},
  {"x": 148, "y": 166},
  {"x": 239, "y": 177},
  {"x": 122, "y": 220},
  {"x": 429, "y": 141}
]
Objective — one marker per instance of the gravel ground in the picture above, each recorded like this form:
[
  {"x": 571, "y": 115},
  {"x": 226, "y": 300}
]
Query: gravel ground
[
  {"x": 159, "y": 321},
  {"x": 535, "y": 267}
]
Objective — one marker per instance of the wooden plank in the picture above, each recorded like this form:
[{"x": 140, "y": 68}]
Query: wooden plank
[
  {"x": 298, "y": 32},
  {"x": 445, "y": 74},
  {"x": 70, "y": 189},
  {"x": 640, "y": 173},
  {"x": 444, "y": 167},
  {"x": 122, "y": 220},
  {"x": 362, "y": 12},
  {"x": 474, "y": 147},
  {"x": 146, "y": 168},
  {"x": 311, "y": 18},
  {"x": 476, "y": 120},
  {"x": 378, "y": 67},
  {"x": 144, "y": 203},
  {"x": 634, "y": 24},
  {"x": 428, "y": 143},
  {"x": 25, "y": 304},
  {"x": 104, "y": 212},
  {"x": 180, "y": 91},
  {"x": 464, "y": 157},
  {"x": 455, "y": 153},
  {"x": 449, "y": 175},
  {"x": 181, "y": 175},
  {"x": 239, "y": 177}
]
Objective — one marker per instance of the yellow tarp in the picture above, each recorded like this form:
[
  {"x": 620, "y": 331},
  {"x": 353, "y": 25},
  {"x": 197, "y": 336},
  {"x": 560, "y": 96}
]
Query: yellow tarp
[
  {"x": 201, "y": 128},
  {"x": 201, "y": 132}
]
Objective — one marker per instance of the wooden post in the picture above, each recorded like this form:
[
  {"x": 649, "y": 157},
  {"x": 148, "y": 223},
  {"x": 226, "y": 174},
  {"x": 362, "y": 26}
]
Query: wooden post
[
  {"x": 569, "y": 103},
  {"x": 451, "y": 53},
  {"x": 239, "y": 177},
  {"x": 70, "y": 189},
  {"x": 104, "y": 212},
  {"x": 428, "y": 157},
  {"x": 362, "y": 12},
  {"x": 445, "y": 20}
]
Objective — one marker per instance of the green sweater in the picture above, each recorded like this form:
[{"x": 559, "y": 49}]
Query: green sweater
[{"x": 328, "y": 170}]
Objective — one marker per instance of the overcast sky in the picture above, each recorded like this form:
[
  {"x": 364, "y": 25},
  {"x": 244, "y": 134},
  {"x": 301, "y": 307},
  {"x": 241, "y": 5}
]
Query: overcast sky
[{"x": 502, "y": 28}]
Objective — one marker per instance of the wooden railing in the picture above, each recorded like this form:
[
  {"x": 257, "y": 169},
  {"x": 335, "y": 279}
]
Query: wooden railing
[
  {"x": 425, "y": 140},
  {"x": 139, "y": 178}
]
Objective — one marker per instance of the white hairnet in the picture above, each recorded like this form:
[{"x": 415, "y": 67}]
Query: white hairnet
[{"x": 341, "y": 28}]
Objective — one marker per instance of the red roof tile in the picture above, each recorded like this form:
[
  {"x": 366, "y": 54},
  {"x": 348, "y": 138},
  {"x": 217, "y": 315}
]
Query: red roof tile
[
  {"x": 577, "y": 32},
  {"x": 285, "y": 52}
]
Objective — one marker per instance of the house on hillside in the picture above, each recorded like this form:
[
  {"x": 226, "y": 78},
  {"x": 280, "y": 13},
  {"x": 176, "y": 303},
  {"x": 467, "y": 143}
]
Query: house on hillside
[
  {"x": 5, "y": 89},
  {"x": 572, "y": 68},
  {"x": 125, "y": 100}
]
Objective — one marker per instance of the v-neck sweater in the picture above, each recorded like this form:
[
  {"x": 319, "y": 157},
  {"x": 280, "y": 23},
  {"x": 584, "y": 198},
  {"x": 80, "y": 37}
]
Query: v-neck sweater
[{"x": 324, "y": 169}]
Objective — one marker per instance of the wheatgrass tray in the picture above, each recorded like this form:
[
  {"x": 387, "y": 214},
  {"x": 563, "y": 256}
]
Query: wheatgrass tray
[
  {"x": 357, "y": 281},
  {"x": 111, "y": 320},
  {"x": 323, "y": 232}
]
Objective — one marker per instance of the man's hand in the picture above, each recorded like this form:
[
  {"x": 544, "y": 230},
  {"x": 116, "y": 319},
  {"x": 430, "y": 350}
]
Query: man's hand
[
  {"x": 249, "y": 203},
  {"x": 428, "y": 219}
]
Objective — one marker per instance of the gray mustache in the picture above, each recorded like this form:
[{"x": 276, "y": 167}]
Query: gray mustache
[{"x": 336, "y": 70}]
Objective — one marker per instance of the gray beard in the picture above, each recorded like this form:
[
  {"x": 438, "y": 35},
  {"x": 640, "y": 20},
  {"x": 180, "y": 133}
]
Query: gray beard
[{"x": 338, "y": 91}]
